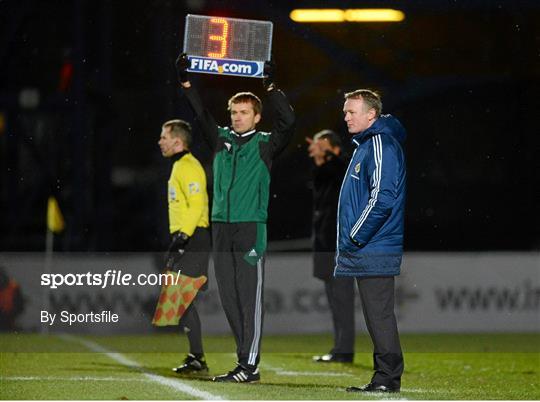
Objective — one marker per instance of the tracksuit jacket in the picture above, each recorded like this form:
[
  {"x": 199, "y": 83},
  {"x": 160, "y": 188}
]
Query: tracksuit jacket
[
  {"x": 243, "y": 162},
  {"x": 372, "y": 202}
]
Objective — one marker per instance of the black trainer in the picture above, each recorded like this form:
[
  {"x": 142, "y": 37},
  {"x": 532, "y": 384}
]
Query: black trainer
[
  {"x": 239, "y": 374},
  {"x": 372, "y": 387},
  {"x": 192, "y": 365},
  {"x": 334, "y": 358}
]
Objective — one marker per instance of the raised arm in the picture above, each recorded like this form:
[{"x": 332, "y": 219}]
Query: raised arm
[
  {"x": 283, "y": 125},
  {"x": 203, "y": 117}
]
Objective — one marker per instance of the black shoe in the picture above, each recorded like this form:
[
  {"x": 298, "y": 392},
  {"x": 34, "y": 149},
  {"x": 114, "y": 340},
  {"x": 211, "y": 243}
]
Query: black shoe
[
  {"x": 334, "y": 358},
  {"x": 239, "y": 374},
  {"x": 372, "y": 387},
  {"x": 192, "y": 365}
]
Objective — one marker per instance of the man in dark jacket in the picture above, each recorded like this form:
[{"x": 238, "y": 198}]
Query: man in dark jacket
[
  {"x": 370, "y": 228},
  {"x": 242, "y": 161},
  {"x": 325, "y": 150}
]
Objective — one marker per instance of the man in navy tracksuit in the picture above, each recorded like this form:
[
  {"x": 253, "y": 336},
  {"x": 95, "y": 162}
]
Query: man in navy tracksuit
[{"x": 370, "y": 228}]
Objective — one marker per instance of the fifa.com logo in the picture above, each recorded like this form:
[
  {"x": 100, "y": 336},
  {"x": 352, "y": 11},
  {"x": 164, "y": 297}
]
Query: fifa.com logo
[
  {"x": 222, "y": 66},
  {"x": 111, "y": 277}
]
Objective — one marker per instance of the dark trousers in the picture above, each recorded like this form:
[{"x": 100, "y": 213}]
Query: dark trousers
[
  {"x": 340, "y": 294},
  {"x": 194, "y": 263},
  {"x": 190, "y": 323},
  {"x": 377, "y": 296},
  {"x": 239, "y": 269}
]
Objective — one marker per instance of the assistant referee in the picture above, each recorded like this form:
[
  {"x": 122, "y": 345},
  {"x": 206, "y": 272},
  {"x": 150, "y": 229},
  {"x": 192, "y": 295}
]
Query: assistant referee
[{"x": 190, "y": 246}]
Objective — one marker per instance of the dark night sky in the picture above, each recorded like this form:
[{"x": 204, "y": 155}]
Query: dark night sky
[{"x": 463, "y": 78}]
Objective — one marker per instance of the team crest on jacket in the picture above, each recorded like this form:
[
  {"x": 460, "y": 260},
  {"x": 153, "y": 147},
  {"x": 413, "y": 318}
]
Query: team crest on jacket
[{"x": 357, "y": 168}]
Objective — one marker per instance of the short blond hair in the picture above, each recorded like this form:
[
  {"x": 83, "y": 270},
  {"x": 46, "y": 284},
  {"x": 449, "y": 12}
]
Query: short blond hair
[
  {"x": 179, "y": 129},
  {"x": 372, "y": 100}
]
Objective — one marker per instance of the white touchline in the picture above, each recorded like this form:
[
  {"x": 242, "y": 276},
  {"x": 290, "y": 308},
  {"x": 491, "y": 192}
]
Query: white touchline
[
  {"x": 170, "y": 382},
  {"x": 432, "y": 391},
  {"x": 384, "y": 396},
  {"x": 311, "y": 373},
  {"x": 284, "y": 372},
  {"x": 76, "y": 378}
]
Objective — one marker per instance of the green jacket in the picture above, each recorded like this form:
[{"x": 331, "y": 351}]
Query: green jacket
[{"x": 242, "y": 163}]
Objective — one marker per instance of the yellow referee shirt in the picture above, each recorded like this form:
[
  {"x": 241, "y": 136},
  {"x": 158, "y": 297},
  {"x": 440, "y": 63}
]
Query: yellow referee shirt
[{"x": 188, "y": 200}]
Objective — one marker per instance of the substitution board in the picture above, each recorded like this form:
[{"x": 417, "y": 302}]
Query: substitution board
[{"x": 228, "y": 46}]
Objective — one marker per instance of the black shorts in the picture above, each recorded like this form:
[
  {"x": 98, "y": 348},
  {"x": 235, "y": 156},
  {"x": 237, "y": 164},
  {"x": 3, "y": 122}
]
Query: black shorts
[{"x": 194, "y": 262}]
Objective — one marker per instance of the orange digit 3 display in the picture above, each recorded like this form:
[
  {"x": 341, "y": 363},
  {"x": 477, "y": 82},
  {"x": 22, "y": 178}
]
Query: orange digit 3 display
[{"x": 228, "y": 46}]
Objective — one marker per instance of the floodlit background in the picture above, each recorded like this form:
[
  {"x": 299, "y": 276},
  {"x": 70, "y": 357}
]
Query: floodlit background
[
  {"x": 84, "y": 88},
  {"x": 87, "y": 84}
]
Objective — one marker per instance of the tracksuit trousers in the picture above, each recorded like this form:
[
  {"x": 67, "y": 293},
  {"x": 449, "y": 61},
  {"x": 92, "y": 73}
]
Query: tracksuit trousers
[{"x": 239, "y": 267}]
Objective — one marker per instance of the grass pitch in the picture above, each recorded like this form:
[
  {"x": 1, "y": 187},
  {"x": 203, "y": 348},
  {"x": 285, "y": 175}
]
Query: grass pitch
[{"x": 139, "y": 367}]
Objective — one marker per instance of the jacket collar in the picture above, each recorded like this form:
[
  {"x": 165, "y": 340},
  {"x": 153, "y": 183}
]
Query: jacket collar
[
  {"x": 178, "y": 156},
  {"x": 385, "y": 124},
  {"x": 247, "y": 133}
]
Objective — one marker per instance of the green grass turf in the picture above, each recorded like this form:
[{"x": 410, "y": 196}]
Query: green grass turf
[{"x": 502, "y": 366}]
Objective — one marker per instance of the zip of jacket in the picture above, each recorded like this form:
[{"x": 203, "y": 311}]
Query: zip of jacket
[{"x": 230, "y": 187}]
